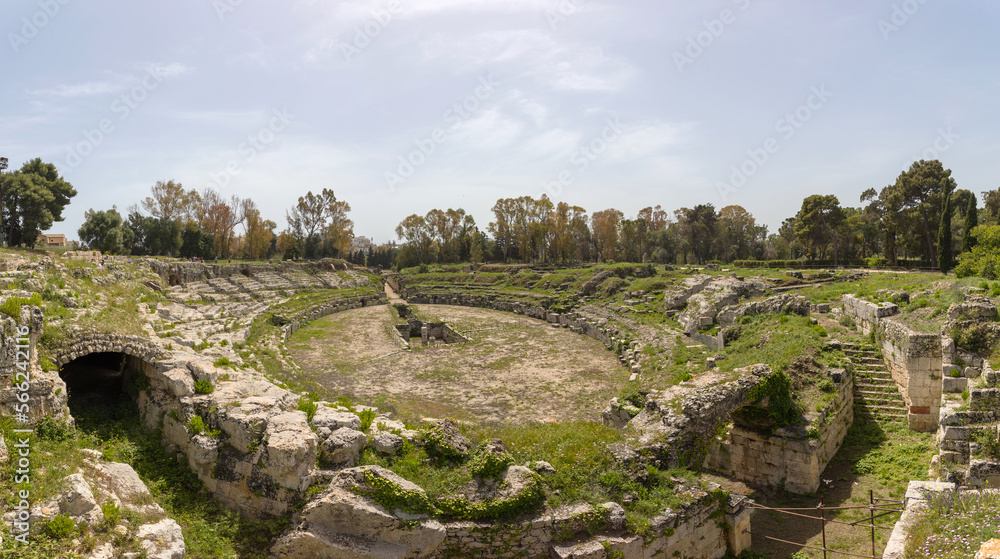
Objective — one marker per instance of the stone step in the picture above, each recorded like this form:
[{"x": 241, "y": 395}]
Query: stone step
[
  {"x": 868, "y": 396},
  {"x": 888, "y": 410},
  {"x": 875, "y": 384}
]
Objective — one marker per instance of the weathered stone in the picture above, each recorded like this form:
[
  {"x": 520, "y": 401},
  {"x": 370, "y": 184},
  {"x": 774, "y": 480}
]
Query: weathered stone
[
  {"x": 453, "y": 439},
  {"x": 339, "y": 520},
  {"x": 975, "y": 308},
  {"x": 162, "y": 540},
  {"x": 543, "y": 467},
  {"x": 387, "y": 443},
  {"x": 3, "y": 450},
  {"x": 326, "y": 420},
  {"x": 343, "y": 446},
  {"x": 291, "y": 449},
  {"x": 77, "y": 500}
]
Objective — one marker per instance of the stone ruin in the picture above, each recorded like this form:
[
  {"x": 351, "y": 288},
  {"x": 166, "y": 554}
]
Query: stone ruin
[{"x": 259, "y": 453}]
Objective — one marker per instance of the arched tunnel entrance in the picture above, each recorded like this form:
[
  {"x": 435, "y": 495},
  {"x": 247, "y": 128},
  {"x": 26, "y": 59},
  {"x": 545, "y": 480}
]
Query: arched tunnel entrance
[{"x": 99, "y": 380}]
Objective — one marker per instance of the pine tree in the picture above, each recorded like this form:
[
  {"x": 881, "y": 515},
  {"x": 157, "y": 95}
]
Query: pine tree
[
  {"x": 971, "y": 221},
  {"x": 946, "y": 259}
]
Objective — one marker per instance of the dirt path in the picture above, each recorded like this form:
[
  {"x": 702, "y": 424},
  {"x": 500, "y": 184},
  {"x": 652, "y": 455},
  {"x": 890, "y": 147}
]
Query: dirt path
[
  {"x": 514, "y": 369},
  {"x": 393, "y": 297}
]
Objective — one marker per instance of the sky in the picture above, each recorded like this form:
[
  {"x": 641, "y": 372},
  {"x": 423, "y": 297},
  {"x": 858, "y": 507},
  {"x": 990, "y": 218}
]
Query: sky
[{"x": 403, "y": 107}]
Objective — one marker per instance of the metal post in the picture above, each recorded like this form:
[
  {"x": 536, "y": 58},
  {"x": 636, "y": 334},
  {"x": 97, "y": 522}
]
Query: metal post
[
  {"x": 822, "y": 519},
  {"x": 871, "y": 517}
]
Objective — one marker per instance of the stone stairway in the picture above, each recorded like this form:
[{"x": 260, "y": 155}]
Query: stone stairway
[
  {"x": 963, "y": 423},
  {"x": 875, "y": 393}
]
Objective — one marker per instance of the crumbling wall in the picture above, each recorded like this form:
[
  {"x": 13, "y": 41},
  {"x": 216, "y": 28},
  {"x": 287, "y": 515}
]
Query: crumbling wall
[
  {"x": 340, "y": 521},
  {"x": 44, "y": 393},
  {"x": 256, "y": 451},
  {"x": 795, "y": 457}
]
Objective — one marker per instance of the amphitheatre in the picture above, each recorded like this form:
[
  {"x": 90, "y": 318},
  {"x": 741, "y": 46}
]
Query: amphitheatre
[{"x": 322, "y": 410}]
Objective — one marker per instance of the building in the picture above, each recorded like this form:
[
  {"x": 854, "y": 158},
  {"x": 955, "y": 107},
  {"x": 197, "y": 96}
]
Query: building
[
  {"x": 361, "y": 243},
  {"x": 51, "y": 240}
]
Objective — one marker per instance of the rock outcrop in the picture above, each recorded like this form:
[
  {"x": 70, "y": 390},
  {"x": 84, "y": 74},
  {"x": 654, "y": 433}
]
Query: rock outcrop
[{"x": 779, "y": 304}]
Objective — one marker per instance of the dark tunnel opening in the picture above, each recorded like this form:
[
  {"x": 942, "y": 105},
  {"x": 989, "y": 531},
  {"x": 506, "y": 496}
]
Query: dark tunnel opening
[{"x": 96, "y": 379}]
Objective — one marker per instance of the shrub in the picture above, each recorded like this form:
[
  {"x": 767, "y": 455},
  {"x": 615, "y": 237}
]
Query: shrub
[
  {"x": 196, "y": 425},
  {"x": 489, "y": 465},
  {"x": 307, "y": 405},
  {"x": 366, "y": 416},
  {"x": 203, "y": 386},
  {"x": 52, "y": 429},
  {"x": 12, "y": 306},
  {"x": 60, "y": 527},
  {"x": 112, "y": 515},
  {"x": 223, "y": 362}
]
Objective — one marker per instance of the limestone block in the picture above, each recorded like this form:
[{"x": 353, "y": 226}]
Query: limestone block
[
  {"x": 387, "y": 443},
  {"x": 343, "y": 446},
  {"x": 327, "y": 420},
  {"x": 203, "y": 449},
  {"x": 77, "y": 500},
  {"x": 954, "y": 385},
  {"x": 290, "y": 449},
  {"x": 176, "y": 381},
  {"x": 340, "y": 512},
  {"x": 245, "y": 426},
  {"x": 162, "y": 540}
]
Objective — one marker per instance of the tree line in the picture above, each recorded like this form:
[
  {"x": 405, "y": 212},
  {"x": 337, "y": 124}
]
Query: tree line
[
  {"x": 172, "y": 221},
  {"x": 921, "y": 217}
]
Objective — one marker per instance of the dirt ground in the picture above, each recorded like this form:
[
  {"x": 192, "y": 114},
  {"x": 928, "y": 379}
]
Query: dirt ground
[{"x": 515, "y": 369}]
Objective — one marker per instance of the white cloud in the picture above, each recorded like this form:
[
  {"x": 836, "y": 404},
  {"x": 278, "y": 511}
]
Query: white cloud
[
  {"x": 562, "y": 66},
  {"x": 116, "y": 82}
]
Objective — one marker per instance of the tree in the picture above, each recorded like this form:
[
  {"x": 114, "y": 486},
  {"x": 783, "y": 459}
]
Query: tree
[
  {"x": 738, "y": 233},
  {"x": 318, "y": 220},
  {"x": 257, "y": 235},
  {"x": 919, "y": 193},
  {"x": 32, "y": 199},
  {"x": 945, "y": 257},
  {"x": 169, "y": 200},
  {"x": 818, "y": 221},
  {"x": 419, "y": 239},
  {"x": 604, "y": 228},
  {"x": 971, "y": 221},
  {"x": 196, "y": 243},
  {"x": 102, "y": 231},
  {"x": 697, "y": 230}
]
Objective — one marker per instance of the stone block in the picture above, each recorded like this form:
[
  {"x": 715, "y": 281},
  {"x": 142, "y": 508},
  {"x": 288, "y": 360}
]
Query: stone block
[{"x": 954, "y": 385}]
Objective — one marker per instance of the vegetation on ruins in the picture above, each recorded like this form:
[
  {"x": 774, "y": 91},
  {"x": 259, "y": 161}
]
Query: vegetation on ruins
[{"x": 955, "y": 525}]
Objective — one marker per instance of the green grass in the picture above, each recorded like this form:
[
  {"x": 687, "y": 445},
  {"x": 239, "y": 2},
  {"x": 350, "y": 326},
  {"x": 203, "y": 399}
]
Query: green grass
[
  {"x": 954, "y": 526},
  {"x": 585, "y": 471},
  {"x": 777, "y": 340},
  {"x": 210, "y": 530}
]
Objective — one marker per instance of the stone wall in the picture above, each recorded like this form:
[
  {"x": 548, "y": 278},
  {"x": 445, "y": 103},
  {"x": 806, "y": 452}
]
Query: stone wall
[
  {"x": 914, "y": 359},
  {"x": 180, "y": 273},
  {"x": 46, "y": 392},
  {"x": 598, "y": 328},
  {"x": 691, "y": 532},
  {"x": 341, "y": 523},
  {"x": 302, "y": 318},
  {"x": 257, "y": 453},
  {"x": 136, "y": 346},
  {"x": 866, "y": 315},
  {"x": 791, "y": 458}
]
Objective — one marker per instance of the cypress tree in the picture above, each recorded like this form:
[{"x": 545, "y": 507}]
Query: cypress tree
[
  {"x": 971, "y": 221},
  {"x": 946, "y": 259}
]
